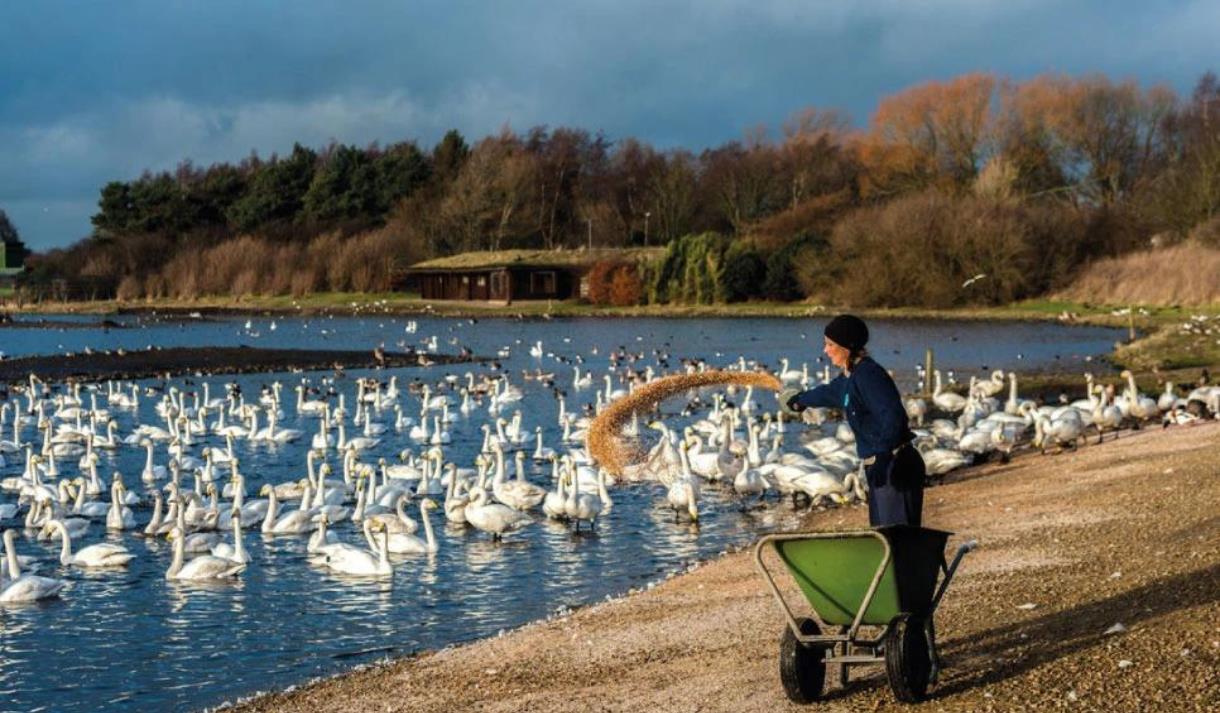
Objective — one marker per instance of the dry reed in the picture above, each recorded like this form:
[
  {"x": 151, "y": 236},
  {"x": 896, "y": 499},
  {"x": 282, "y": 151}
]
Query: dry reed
[
  {"x": 604, "y": 442},
  {"x": 1185, "y": 274}
]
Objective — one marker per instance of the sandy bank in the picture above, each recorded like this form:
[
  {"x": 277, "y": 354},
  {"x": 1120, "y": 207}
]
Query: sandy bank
[{"x": 1127, "y": 532}]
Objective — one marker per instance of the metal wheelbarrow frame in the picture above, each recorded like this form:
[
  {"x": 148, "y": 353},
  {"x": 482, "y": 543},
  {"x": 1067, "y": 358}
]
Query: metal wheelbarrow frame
[{"x": 895, "y": 602}]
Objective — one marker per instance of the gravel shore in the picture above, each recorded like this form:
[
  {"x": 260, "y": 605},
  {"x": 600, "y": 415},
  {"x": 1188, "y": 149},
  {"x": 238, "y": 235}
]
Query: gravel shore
[{"x": 1126, "y": 533}]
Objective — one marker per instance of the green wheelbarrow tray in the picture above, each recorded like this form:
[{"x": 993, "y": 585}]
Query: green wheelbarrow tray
[{"x": 883, "y": 578}]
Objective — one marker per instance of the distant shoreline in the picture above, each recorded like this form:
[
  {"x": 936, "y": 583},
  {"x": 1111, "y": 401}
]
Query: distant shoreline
[{"x": 408, "y": 305}]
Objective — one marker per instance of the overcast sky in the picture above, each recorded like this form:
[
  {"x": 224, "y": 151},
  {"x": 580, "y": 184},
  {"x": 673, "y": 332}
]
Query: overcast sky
[{"x": 94, "y": 91}]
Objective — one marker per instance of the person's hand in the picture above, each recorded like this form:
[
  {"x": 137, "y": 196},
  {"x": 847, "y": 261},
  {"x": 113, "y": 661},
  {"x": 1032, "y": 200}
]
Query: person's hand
[{"x": 788, "y": 401}]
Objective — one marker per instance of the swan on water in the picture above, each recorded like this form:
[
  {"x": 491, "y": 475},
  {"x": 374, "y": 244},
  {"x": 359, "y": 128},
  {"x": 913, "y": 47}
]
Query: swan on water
[
  {"x": 201, "y": 568},
  {"x": 102, "y": 554},
  {"x": 25, "y": 588}
]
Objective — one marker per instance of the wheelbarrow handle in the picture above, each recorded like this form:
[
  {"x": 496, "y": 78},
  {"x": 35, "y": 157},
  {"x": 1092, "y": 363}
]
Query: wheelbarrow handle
[{"x": 969, "y": 546}]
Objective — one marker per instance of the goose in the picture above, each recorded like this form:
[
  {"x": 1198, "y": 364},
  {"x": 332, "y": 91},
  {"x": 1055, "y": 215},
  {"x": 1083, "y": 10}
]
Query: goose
[
  {"x": 20, "y": 588},
  {"x": 346, "y": 559},
  {"x": 201, "y": 568},
  {"x": 493, "y": 518},
  {"x": 402, "y": 543},
  {"x": 235, "y": 552},
  {"x": 103, "y": 554}
]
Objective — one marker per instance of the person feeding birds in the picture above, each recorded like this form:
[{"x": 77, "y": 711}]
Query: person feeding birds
[{"x": 869, "y": 398}]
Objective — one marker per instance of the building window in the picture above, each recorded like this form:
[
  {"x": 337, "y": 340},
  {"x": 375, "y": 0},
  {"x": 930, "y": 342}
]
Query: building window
[
  {"x": 542, "y": 282},
  {"x": 465, "y": 279},
  {"x": 497, "y": 284},
  {"x": 481, "y": 281}
]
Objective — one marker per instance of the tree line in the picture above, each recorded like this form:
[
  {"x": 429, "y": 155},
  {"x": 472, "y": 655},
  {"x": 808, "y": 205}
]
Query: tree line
[{"x": 1021, "y": 181}]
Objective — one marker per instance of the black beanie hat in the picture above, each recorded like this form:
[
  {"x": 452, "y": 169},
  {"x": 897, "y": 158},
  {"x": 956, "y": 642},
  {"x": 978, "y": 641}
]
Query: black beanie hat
[{"x": 848, "y": 331}]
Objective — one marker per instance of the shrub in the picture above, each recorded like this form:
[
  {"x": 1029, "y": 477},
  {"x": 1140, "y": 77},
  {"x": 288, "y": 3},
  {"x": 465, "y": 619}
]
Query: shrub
[
  {"x": 626, "y": 288},
  {"x": 600, "y": 277},
  {"x": 744, "y": 271}
]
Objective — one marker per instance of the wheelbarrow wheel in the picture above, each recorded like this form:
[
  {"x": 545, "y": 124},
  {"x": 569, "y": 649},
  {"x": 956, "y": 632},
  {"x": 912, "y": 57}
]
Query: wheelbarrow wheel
[
  {"x": 802, "y": 669},
  {"x": 908, "y": 664}
]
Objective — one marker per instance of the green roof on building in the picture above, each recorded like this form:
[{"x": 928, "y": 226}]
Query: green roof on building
[{"x": 491, "y": 259}]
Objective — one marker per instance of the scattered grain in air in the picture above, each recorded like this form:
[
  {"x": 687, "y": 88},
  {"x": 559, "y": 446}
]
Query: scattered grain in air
[{"x": 604, "y": 443}]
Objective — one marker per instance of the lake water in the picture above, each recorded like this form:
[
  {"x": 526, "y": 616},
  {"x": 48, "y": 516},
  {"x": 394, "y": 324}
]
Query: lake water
[{"x": 129, "y": 640}]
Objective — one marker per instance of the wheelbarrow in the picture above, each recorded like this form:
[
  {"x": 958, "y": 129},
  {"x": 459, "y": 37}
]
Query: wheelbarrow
[{"x": 872, "y": 594}]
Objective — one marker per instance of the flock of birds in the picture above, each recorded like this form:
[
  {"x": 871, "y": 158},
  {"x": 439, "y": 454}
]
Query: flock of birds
[{"x": 194, "y": 492}]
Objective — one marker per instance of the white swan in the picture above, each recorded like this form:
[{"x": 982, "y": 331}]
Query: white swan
[
  {"x": 402, "y": 543},
  {"x": 119, "y": 516},
  {"x": 202, "y": 568},
  {"x": 235, "y": 552},
  {"x": 494, "y": 518},
  {"x": 582, "y": 506},
  {"x": 103, "y": 554},
  {"x": 347, "y": 559},
  {"x": 25, "y": 588}
]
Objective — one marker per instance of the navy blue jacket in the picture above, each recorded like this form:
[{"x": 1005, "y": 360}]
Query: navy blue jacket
[{"x": 872, "y": 403}]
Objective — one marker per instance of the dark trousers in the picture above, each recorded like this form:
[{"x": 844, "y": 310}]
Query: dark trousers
[{"x": 895, "y": 488}]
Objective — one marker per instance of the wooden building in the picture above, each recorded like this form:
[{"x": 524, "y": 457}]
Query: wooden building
[{"x": 506, "y": 276}]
